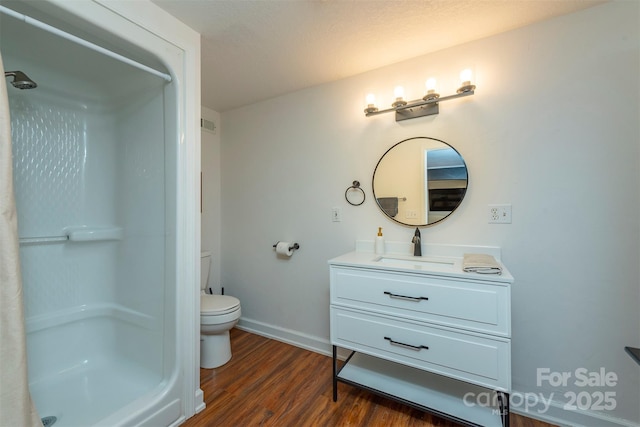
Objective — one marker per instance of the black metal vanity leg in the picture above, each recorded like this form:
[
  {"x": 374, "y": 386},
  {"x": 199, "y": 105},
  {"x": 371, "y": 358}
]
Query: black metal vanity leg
[
  {"x": 335, "y": 374},
  {"x": 507, "y": 409},
  {"x": 503, "y": 399}
]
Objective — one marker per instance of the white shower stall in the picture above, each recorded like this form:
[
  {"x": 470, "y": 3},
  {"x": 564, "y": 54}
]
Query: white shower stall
[{"x": 105, "y": 179}]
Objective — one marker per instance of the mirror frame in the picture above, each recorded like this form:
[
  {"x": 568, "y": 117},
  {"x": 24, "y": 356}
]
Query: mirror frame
[{"x": 428, "y": 224}]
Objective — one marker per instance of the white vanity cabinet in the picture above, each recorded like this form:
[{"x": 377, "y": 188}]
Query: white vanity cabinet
[{"x": 425, "y": 333}]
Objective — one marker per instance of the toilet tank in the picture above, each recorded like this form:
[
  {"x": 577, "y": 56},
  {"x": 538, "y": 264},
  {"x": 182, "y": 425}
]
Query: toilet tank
[{"x": 205, "y": 265}]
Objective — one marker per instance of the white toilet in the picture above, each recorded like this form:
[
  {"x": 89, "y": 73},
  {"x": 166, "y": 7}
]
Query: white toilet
[{"x": 218, "y": 314}]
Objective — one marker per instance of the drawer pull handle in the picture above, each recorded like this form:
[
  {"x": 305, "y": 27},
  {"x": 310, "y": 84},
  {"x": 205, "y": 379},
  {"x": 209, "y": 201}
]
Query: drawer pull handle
[
  {"x": 416, "y": 299},
  {"x": 401, "y": 344}
]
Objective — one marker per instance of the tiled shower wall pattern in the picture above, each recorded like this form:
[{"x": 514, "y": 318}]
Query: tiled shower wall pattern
[
  {"x": 49, "y": 168},
  {"x": 48, "y": 156}
]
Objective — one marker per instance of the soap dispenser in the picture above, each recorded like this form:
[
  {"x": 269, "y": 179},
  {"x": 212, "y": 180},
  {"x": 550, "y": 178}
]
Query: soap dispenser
[
  {"x": 417, "y": 243},
  {"x": 379, "y": 242}
]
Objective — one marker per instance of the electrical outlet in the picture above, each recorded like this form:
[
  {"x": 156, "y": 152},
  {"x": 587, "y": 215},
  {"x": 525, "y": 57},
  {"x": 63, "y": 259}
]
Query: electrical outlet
[
  {"x": 499, "y": 214},
  {"x": 336, "y": 214}
]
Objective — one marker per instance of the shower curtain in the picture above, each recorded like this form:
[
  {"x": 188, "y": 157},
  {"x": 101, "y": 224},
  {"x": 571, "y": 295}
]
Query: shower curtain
[{"x": 16, "y": 407}]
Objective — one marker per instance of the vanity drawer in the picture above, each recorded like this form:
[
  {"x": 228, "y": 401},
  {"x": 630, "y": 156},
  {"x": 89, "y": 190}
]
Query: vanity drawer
[
  {"x": 478, "y": 306},
  {"x": 477, "y": 359}
]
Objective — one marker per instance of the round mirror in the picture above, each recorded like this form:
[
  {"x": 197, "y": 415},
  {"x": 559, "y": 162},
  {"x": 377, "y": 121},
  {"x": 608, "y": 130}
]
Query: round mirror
[{"x": 420, "y": 181}]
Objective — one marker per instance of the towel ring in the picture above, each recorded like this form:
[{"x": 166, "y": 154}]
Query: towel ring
[{"x": 355, "y": 188}]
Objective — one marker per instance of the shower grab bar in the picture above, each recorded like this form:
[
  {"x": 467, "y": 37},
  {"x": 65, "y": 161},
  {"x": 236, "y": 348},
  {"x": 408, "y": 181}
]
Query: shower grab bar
[
  {"x": 94, "y": 234},
  {"x": 41, "y": 240},
  {"x": 78, "y": 234},
  {"x": 31, "y": 21}
]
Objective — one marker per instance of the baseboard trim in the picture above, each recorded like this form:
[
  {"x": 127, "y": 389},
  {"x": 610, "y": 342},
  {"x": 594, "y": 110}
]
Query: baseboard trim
[
  {"x": 289, "y": 336},
  {"x": 199, "y": 401}
]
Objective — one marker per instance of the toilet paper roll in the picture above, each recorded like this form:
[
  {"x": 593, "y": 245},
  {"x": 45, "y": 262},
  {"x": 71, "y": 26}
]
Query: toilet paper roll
[{"x": 282, "y": 248}]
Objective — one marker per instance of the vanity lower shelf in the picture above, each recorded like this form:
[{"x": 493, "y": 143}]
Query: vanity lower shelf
[{"x": 448, "y": 398}]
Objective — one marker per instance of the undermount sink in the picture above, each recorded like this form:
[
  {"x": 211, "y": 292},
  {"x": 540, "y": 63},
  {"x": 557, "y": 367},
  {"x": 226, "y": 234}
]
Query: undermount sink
[{"x": 416, "y": 262}]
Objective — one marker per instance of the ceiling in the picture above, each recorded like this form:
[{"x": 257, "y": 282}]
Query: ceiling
[{"x": 255, "y": 50}]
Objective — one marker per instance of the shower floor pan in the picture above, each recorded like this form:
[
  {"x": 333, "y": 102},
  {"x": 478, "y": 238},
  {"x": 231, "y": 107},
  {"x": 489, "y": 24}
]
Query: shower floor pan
[
  {"x": 87, "y": 364},
  {"x": 85, "y": 396}
]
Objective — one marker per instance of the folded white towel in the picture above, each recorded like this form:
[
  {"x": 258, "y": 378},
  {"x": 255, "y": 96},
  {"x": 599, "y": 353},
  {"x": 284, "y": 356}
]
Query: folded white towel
[{"x": 481, "y": 263}]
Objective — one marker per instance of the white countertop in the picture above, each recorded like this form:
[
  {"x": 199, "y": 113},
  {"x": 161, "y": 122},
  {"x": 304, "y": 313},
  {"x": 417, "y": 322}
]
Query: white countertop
[{"x": 431, "y": 264}]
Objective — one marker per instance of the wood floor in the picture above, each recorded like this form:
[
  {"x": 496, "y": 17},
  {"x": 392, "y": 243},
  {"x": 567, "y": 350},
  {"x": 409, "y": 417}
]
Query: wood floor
[{"x": 269, "y": 383}]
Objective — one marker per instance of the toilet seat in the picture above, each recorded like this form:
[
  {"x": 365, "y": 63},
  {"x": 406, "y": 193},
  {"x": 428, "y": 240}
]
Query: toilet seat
[{"x": 217, "y": 305}]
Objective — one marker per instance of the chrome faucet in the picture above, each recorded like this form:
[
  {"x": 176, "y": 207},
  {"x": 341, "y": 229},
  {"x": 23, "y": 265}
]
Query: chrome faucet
[{"x": 417, "y": 244}]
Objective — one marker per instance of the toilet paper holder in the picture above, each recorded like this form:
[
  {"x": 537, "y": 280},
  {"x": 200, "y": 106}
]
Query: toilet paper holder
[{"x": 291, "y": 248}]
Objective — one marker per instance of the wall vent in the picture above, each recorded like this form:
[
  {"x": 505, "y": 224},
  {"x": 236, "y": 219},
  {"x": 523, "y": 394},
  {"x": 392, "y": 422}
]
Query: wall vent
[{"x": 208, "y": 125}]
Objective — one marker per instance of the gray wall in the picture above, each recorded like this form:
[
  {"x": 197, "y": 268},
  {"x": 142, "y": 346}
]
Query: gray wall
[
  {"x": 211, "y": 209},
  {"x": 552, "y": 129}
]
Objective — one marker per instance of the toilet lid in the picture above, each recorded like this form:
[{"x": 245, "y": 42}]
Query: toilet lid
[{"x": 218, "y": 304}]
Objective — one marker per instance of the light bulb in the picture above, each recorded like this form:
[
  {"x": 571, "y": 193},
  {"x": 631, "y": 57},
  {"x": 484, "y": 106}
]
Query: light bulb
[
  {"x": 398, "y": 92},
  {"x": 371, "y": 100},
  {"x": 465, "y": 77},
  {"x": 465, "y": 81},
  {"x": 371, "y": 104},
  {"x": 431, "y": 90},
  {"x": 431, "y": 84}
]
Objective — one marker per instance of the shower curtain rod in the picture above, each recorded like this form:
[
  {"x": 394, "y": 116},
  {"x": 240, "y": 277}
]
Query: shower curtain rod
[{"x": 31, "y": 21}]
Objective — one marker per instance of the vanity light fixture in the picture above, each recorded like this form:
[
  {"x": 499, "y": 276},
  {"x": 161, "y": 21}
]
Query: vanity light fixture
[{"x": 426, "y": 106}]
